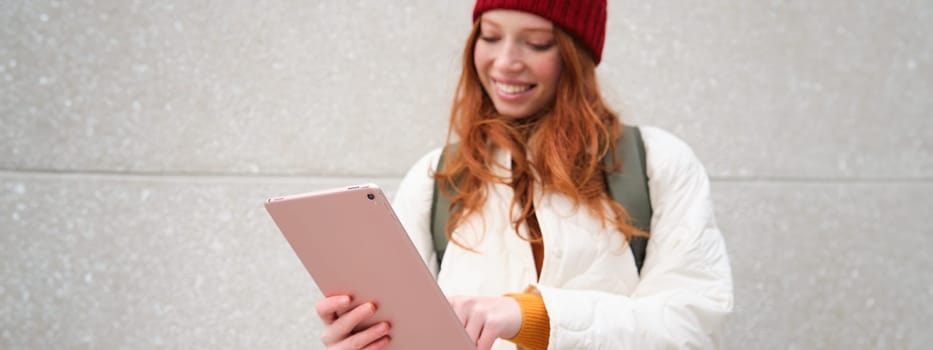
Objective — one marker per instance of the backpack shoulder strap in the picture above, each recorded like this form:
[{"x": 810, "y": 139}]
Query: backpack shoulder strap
[
  {"x": 440, "y": 210},
  {"x": 629, "y": 187}
]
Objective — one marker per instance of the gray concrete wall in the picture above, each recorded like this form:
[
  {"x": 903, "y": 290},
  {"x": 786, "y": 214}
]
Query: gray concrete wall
[{"x": 139, "y": 139}]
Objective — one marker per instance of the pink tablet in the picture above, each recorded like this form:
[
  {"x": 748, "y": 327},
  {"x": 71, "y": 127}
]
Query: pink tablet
[{"x": 351, "y": 243}]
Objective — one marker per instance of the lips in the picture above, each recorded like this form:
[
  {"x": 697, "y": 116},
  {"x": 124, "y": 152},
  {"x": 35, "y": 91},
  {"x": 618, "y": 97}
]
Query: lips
[{"x": 511, "y": 88}]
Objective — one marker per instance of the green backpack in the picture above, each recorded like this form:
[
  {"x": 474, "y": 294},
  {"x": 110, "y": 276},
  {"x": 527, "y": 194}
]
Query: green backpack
[{"x": 628, "y": 187}]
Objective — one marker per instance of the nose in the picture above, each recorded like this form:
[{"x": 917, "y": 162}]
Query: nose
[{"x": 509, "y": 58}]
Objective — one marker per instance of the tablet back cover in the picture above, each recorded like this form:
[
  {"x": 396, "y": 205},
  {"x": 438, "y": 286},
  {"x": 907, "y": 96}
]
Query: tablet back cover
[{"x": 351, "y": 243}]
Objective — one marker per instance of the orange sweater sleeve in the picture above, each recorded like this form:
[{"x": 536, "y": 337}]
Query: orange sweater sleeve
[{"x": 536, "y": 328}]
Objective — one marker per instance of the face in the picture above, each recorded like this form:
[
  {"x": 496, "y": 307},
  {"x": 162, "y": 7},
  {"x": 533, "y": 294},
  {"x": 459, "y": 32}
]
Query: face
[{"x": 518, "y": 61}]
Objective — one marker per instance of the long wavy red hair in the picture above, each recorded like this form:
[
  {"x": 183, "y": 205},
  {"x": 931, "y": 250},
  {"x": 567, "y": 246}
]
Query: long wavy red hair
[{"x": 568, "y": 140}]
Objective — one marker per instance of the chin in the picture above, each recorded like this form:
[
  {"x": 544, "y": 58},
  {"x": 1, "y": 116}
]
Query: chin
[{"x": 513, "y": 113}]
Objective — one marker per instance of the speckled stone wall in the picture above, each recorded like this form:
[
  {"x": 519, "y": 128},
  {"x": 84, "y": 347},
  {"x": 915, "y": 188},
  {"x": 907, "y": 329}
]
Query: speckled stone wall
[{"x": 138, "y": 140}]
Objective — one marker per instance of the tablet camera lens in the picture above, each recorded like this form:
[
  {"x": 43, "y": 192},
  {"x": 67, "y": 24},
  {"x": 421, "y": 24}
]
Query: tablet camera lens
[{"x": 371, "y": 196}]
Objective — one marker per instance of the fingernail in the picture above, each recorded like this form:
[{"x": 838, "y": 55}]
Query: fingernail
[{"x": 345, "y": 300}]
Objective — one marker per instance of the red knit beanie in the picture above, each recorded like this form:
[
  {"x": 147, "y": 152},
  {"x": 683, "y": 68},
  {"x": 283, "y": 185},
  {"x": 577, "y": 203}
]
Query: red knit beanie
[{"x": 584, "y": 19}]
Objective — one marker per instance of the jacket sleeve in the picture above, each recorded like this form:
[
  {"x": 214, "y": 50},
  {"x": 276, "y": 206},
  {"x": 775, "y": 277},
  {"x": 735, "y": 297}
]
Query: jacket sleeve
[
  {"x": 412, "y": 205},
  {"x": 685, "y": 291}
]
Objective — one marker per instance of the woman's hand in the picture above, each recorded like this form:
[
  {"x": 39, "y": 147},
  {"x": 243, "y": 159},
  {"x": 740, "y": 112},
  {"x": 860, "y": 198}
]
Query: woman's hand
[
  {"x": 338, "y": 330},
  {"x": 488, "y": 318}
]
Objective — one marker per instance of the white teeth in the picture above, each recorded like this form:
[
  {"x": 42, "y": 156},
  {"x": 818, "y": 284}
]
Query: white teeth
[{"x": 512, "y": 89}]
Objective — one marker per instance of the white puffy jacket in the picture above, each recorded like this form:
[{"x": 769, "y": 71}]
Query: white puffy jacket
[{"x": 593, "y": 294}]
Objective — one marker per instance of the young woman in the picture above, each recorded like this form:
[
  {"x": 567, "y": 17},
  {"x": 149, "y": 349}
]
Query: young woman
[{"x": 538, "y": 254}]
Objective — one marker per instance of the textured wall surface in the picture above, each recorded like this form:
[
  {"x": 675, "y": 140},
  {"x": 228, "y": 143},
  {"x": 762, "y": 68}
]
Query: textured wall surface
[{"x": 139, "y": 139}]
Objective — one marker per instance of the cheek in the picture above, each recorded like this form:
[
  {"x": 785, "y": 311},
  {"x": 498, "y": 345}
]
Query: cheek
[
  {"x": 549, "y": 70},
  {"x": 480, "y": 60}
]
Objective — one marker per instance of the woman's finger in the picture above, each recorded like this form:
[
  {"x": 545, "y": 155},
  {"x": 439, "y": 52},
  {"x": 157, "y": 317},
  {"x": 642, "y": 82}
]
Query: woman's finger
[
  {"x": 328, "y": 308},
  {"x": 472, "y": 321},
  {"x": 474, "y": 325},
  {"x": 379, "y": 344},
  {"x": 374, "y": 337},
  {"x": 486, "y": 338},
  {"x": 458, "y": 305},
  {"x": 486, "y": 319},
  {"x": 341, "y": 328}
]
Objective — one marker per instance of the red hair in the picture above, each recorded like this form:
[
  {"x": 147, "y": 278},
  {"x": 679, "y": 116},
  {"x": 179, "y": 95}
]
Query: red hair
[{"x": 569, "y": 139}]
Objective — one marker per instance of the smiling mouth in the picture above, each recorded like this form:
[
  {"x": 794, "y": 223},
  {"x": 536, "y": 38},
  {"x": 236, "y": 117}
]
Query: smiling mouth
[{"x": 512, "y": 89}]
